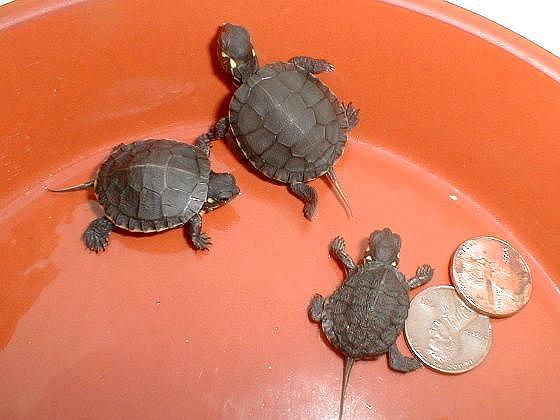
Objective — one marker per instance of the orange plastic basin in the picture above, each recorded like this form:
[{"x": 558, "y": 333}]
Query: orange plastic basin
[{"x": 459, "y": 136}]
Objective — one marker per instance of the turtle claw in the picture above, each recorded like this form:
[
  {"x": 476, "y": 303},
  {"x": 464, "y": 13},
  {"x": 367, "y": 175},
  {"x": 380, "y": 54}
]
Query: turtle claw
[
  {"x": 352, "y": 115},
  {"x": 316, "y": 308},
  {"x": 308, "y": 211},
  {"x": 425, "y": 271},
  {"x": 402, "y": 363},
  {"x": 338, "y": 244},
  {"x": 321, "y": 66},
  {"x": 308, "y": 195},
  {"x": 405, "y": 364},
  {"x": 424, "y": 274},
  {"x": 94, "y": 243},
  {"x": 202, "y": 242},
  {"x": 312, "y": 65},
  {"x": 96, "y": 236}
]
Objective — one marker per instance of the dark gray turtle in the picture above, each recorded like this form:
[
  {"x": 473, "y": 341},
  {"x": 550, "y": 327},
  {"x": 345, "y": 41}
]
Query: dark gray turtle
[
  {"x": 155, "y": 185},
  {"x": 366, "y": 314},
  {"x": 287, "y": 122}
]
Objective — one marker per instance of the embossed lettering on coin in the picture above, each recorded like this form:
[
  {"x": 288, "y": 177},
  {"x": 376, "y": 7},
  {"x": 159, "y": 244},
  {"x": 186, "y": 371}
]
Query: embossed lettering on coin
[
  {"x": 445, "y": 333},
  {"x": 491, "y": 276}
]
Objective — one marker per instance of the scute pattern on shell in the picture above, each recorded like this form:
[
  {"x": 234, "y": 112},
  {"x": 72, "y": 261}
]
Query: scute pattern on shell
[
  {"x": 366, "y": 314},
  {"x": 288, "y": 123},
  {"x": 153, "y": 185}
]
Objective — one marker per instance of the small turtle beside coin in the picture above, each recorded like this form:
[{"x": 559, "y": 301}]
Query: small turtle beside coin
[{"x": 365, "y": 315}]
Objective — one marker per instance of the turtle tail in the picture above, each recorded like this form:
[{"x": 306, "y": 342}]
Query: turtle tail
[
  {"x": 334, "y": 180},
  {"x": 83, "y": 186},
  {"x": 348, "y": 363}
]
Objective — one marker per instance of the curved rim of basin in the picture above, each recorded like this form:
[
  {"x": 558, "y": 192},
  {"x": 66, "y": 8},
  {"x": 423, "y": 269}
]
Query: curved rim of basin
[
  {"x": 19, "y": 12},
  {"x": 416, "y": 133}
]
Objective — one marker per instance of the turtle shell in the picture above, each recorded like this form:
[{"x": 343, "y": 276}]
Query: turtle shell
[
  {"x": 288, "y": 123},
  {"x": 364, "y": 317},
  {"x": 153, "y": 185}
]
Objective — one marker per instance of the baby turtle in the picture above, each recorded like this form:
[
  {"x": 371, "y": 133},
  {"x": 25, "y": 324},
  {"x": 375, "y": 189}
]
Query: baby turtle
[
  {"x": 155, "y": 185},
  {"x": 366, "y": 314},
  {"x": 287, "y": 123}
]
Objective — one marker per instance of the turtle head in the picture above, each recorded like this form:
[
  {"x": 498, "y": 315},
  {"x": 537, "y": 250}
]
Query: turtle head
[
  {"x": 222, "y": 188},
  {"x": 236, "y": 52},
  {"x": 384, "y": 246}
]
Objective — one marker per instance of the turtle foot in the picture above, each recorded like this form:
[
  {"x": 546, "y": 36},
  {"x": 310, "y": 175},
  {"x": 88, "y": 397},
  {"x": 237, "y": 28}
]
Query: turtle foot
[
  {"x": 352, "y": 115},
  {"x": 312, "y": 65},
  {"x": 309, "y": 197},
  {"x": 96, "y": 236},
  {"x": 316, "y": 308},
  {"x": 402, "y": 363}
]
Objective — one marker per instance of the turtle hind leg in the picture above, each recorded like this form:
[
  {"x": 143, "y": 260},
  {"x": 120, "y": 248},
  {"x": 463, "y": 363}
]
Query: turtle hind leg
[
  {"x": 312, "y": 65},
  {"x": 96, "y": 236},
  {"x": 316, "y": 308},
  {"x": 308, "y": 195},
  {"x": 218, "y": 131},
  {"x": 199, "y": 239},
  {"x": 402, "y": 363}
]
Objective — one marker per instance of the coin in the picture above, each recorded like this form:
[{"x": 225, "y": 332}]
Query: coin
[
  {"x": 445, "y": 333},
  {"x": 491, "y": 276}
]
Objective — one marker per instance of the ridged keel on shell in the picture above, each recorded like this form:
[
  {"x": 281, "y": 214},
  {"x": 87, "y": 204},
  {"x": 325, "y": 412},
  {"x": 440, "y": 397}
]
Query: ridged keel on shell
[{"x": 364, "y": 317}]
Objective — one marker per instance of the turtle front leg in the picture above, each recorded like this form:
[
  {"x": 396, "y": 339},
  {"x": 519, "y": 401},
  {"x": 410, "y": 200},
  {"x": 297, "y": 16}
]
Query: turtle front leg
[
  {"x": 352, "y": 115},
  {"x": 96, "y": 236},
  {"x": 307, "y": 194},
  {"x": 218, "y": 131},
  {"x": 402, "y": 363},
  {"x": 198, "y": 238},
  {"x": 312, "y": 65},
  {"x": 424, "y": 274},
  {"x": 337, "y": 248}
]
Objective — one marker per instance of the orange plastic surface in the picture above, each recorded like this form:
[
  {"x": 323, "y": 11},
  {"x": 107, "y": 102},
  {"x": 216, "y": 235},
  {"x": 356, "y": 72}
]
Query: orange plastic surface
[{"x": 459, "y": 136}]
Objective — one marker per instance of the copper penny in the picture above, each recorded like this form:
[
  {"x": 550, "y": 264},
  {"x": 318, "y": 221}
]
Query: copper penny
[
  {"x": 445, "y": 333},
  {"x": 491, "y": 276}
]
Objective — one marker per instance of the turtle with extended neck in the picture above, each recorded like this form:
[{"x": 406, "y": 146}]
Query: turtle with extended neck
[
  {"x": 287, "y": 123},
  {"x": 365, "y": 315}
]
